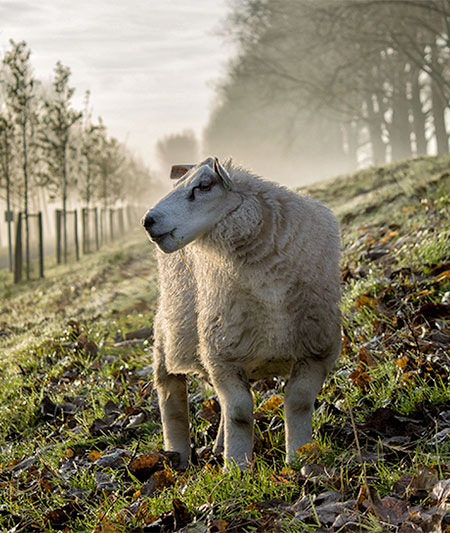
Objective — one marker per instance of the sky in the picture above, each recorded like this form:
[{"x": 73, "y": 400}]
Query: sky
[{"x": 150, "y": 65}]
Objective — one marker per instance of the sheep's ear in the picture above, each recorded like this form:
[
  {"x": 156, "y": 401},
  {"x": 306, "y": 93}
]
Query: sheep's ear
[
  {"x": 178, "y": 171},
  {"x": 223, "y": 175}
]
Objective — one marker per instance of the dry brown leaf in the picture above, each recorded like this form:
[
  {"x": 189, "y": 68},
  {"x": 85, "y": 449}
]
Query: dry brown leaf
[
  {"x": 107, "y": 527},
  {"x": 68, "y": 453},
  {"x": 365, "y": 358},
  {"x": 218, "y": 525},
  {"x": 366, "y": 497},
  {"x": 272, "y": 403},
  {"x": 402, "y": 362},
  {"x": 145, "y": 464},
  {"x": 94, "y": 455},
  {"x": 46, "y": 485},
  {"x": 181, "y": 514},
  {"x": 365, "y": 301},
  {"x": 158, "y": 481},
  {"x": 210, "y": 411},
  {"x": 57, "y": 517},
  {"x": 360, "y": 378},
  {"x": 389, "y": 236},
  {"x": 392, "y": 510},
  {"x": 90, "y": 348},
  {"x": 310, "y": 450}
]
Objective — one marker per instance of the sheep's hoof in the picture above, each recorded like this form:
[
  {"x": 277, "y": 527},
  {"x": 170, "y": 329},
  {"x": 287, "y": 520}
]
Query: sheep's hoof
[{"x": 177, "y": 460}]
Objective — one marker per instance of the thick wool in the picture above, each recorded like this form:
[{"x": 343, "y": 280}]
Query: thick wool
[{"x": 255, "y": 296}]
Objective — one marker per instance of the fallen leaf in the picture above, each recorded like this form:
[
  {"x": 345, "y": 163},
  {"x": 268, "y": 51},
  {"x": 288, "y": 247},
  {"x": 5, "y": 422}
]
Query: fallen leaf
[
  {"x": 365, "y": 358},
  {"x": 94, "y": 455},
  {"x": 360, "y": 378},
  {"x": 145, "y": 464},
  {"x": 402, "y": 362},
  {"x": 181, "y": 513},
  {"x": 142, "y": 333},
  {"x": 366, "y": 496},
  {"x": 113, "y": 459},
  {"x": 158, "y": 481},
  {"x": 364, "y": 301},
  {"x": 23, "y": 465},
  {"x": 392, "y": 510},
  {"x": 431, "y": 311},
  {"x": 68, "y": 453},
  {"x": 425, "y": 479},
  {"x": 271, "y": 404},
  {"x": 386, "y": 421},
  {"x": 107, "y": 527},
  {"x": 210, "y": 411},
  {"x": 105, "y": 482},
  {"x": 311, "y": 450},
  {"x": 58, "y": 517},
  {"x": 218, "y": 525}
]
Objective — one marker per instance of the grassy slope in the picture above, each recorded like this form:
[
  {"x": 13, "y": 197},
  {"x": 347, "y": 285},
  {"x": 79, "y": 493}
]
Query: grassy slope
[{"x": 72, "y": 393}]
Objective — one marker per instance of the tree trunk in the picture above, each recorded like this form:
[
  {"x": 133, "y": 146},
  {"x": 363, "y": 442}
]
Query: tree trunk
[
  {"x": 64, "y": 219},
  {"x": 440, "y": 131},
  {"x": 88, "y": 182},
  {"x": 375, "y": 124},
  {"x": 8, "y": 209},
  {"x": 8, "y": 198},
  {"x": 25, "y": 197},
  {"x": 400, "y": 130},
  {"x": 351, "y": 134},
  {"x": 438, "y": 108},
  {"x": 64, "y": 204},
  {"x": 418, "y": 114}
]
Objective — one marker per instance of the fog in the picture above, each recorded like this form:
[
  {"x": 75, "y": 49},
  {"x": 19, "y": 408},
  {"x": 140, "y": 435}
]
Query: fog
[{"x": 321, "y": 88}]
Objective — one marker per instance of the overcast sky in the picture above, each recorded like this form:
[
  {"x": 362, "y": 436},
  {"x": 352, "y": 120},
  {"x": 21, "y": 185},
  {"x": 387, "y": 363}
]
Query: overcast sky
[{"x": 150, "y": 64}]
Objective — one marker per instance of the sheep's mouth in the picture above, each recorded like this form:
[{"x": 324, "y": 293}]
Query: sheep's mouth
[
  {"x": 160, "y": 237},
  {"x": 167, "y": 242}
]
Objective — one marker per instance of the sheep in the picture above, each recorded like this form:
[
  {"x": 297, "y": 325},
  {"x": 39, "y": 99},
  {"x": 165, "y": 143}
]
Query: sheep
[{"x": 249, "y": 289}]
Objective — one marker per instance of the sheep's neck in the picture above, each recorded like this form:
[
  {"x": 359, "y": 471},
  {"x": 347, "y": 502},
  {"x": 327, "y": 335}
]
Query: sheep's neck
[{"x": 247, "y": 235}]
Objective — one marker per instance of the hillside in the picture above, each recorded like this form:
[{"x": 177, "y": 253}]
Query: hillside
[{"x": 80, "y": 446}]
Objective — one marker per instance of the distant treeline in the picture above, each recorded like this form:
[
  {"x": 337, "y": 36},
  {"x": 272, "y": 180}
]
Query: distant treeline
[
  {"x": 46, "y": 144},
  {"x": 319, "y": 87}
]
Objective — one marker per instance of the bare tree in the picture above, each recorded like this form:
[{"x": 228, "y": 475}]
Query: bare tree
[
  {"x": 20, "y": 101},
  {"x": 57, "y": 121},
  {"x": 362, "y": 69},
  {"x": 6, "y": 157}
]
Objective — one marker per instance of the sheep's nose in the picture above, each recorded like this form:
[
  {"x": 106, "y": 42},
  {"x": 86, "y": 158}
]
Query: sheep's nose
[{"x": 147, "y": 221}]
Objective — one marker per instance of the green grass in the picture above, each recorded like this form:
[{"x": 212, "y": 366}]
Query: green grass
[{"x": 61, "y": 348}]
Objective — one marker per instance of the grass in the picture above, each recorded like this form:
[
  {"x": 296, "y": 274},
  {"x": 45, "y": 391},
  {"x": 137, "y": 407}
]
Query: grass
[{"x": 74, "y": 392}]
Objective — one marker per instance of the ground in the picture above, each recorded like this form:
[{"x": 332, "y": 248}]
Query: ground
[{"x": 81, "y": 446}]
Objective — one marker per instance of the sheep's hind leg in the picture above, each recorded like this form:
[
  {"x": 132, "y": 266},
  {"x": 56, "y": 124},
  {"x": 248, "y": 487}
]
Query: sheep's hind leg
[
  {"x": 173, "y": 403},
  {"x": 301, "y": 391},
  {"x": 236, "y": 404},
  {"x": 219, "y": 442}
]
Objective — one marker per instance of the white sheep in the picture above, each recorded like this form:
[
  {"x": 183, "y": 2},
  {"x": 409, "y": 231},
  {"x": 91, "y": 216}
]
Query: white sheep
[{"x": 251, "y": 293}]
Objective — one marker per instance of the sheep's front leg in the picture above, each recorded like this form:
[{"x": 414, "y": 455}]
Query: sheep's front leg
[
  {"x": 301, "y": 391},
  {"x": 236, "y": 403},
  {"x": 173, "y": 403}
]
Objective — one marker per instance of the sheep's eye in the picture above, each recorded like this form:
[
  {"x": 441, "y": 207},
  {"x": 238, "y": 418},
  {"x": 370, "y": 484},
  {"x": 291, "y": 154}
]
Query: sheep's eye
[{"x": 200, "y": 187}]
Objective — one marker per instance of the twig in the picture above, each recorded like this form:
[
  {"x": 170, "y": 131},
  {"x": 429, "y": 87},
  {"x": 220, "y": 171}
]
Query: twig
[{"x": 363, "y": 463}]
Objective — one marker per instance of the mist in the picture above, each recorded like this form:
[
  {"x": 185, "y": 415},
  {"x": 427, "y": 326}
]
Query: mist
[{"x": 318, "y": 89}]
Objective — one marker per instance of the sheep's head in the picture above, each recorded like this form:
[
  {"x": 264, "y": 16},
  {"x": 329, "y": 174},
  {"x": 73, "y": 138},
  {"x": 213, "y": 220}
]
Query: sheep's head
[{"x": 200, "y": 199}]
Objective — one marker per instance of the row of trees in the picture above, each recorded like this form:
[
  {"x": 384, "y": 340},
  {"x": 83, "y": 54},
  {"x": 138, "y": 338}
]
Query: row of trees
[
  {"x": 45, "y": 143},
  {"x": 322, "y": 86}
]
